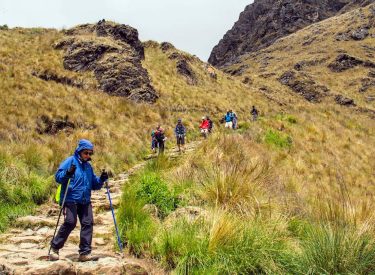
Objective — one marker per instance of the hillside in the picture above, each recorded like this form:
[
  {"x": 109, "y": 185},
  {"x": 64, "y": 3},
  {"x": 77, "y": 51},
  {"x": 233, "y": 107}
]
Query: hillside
[
  {"x": 47, "y": 108},
  {"x": 276, "y": 196},
  {"x": 265, "y": 21}
]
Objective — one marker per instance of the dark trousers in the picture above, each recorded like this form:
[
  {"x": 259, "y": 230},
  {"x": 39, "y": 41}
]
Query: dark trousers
[
  {"x": 84, "y": 213},
  {"x": 161, "y": 146}
]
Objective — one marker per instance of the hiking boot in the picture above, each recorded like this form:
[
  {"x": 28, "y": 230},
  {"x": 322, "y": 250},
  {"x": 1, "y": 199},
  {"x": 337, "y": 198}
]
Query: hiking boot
[
  {"x": 85, "y": 258},
  {"x": 54, "y": 255}
]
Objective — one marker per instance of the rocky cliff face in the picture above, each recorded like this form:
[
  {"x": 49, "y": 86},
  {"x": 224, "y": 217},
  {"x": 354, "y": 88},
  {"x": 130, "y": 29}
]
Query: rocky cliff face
[
  {"x": 265, "y": 21},
  {"x": 114, "y": 53}
]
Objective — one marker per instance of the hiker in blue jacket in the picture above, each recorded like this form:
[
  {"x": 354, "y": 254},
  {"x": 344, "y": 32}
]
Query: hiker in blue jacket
[
  {"x": 180, "y": 133},
  {"x": 229, "y": 119},
  {"x": 77, "y": 173}
]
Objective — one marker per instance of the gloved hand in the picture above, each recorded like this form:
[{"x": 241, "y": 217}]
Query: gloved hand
[
  {"x": 71, "y": 171},
  {"x": 104, "y": 176}
]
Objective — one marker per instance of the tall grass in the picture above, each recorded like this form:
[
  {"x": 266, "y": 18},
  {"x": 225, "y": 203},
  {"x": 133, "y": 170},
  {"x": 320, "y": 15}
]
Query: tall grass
[
  {"x": 21, "y": 188},
  {"x": 328, "y": 249}
]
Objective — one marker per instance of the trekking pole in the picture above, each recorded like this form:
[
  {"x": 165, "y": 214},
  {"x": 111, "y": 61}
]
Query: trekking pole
[
  {"x": 114, "y": 217},
  {"x": 58, "y": 220}
]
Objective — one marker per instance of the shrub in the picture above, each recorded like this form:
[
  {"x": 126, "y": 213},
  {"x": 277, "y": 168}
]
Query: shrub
[
  {"x": 337, "y": 250},
  {"x": 184, "y": 246},
  {"x": 205, "y": 247},
  {"x": 278, "y": 140},
  {"x": 289, "y": 118},
  {"x": 154, "y": 190},
  {"x": 19, "y": 187},
  {"x": 136, "y": 226}
]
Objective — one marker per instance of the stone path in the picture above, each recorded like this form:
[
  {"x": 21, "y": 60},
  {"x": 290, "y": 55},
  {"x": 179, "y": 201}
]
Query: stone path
[{"x": 24, "y": 248}]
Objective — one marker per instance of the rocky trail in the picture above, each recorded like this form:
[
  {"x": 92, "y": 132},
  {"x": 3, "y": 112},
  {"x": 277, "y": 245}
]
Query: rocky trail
[{"x": 24, "y": 247}]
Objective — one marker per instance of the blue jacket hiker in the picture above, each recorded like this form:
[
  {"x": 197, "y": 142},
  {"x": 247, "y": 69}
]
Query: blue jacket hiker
[
  {"x": 180, "y": 133},
  {"x": 229, "y": 119},
  {"x": 76, "y": 174}
]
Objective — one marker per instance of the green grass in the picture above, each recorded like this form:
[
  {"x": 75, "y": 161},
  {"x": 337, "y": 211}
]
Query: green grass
[
  {"x": 328, "y": 249},
  {"x": 22, "y": 187},
  {"x": 154, "y": 190},
  {"x": 277, "y": 139},
  {"x": 9, "y": 212}
]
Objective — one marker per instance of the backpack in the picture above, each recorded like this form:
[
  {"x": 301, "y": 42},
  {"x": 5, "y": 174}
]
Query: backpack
[
  {"x": 58, "y": 192},
  {"x": 159, "y": 135}
]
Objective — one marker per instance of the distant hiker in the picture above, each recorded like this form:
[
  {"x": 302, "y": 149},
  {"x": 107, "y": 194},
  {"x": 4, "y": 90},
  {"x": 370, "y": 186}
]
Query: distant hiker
[
  {"x": 229, "y": 119},
  {"x": 77, "y": 173},
  {"x": 254, "y": 112},
  {"x": 160, "y": 139},
  {"x": 234, "y": 121},
  {"x": 180, "y": 132},
  {"x": 210, "y": 124},
  {"x": 154, "y": 142},
  {"x": 204, "y": 126}
]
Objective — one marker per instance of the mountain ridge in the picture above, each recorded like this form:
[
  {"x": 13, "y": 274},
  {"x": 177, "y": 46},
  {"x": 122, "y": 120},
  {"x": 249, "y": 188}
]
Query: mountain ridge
[{"x": 265, "y": 21}]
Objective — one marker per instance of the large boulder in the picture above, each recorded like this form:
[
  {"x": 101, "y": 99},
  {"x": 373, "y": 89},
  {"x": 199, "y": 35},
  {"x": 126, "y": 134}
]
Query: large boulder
[{"x": 114, "y": 53}]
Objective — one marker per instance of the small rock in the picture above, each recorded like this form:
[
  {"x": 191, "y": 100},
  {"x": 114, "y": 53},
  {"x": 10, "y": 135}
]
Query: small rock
[
  {"x": 51, "y": 268},
  {"x": 247, "y": 80},
  {"x": 344, "y": 101},
  {"x": 189, "y": 213},
  {"x": 99, "y": 241},
  {"x": 21, "y": 262},
  {"x": 166, "y": 46},
  {"x": 151, "y": 209},
  {"x": 28, "y": 232},
  {"x": 43, "y": 231},
  {"x": 27, "y": 239},
  {"x": 5, "y": 270},
  {"x": 367, "y": 83},
  {"x": 134, "y": 269},
  {"x": 28, "y": 245},
  {"x": 238, "y": 70},
  {"x": 359, "y": 34},
  {"x": 33, "y": 221},
  {"x": 342, "y": 37}
]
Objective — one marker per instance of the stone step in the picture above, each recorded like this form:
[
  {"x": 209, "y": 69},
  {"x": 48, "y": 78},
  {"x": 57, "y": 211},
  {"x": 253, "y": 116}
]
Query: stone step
[
  {"x": 34, "y": 221},
  {"x": 36, "y": 239}
]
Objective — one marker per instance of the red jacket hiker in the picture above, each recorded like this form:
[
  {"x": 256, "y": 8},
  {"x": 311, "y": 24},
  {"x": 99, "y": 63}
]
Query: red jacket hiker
[{"x": 205, "y": 124}]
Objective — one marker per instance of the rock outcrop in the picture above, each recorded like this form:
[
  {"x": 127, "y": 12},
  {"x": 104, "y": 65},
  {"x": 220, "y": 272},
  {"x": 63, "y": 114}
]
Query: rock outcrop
[
  {"x": 304, "y": 85},
  {"x": 344, "y": 101},
  {"x": 265, "y": 21},
  {"x": 344, "y": 62},
  {"x": 114, "y": 53}
]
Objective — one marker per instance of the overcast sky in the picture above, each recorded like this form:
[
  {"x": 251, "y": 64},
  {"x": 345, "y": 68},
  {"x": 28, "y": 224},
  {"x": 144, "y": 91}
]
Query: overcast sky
[{"x": 195, "y": 26}]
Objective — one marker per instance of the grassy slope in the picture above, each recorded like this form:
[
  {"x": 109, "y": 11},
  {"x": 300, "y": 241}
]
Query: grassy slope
[
  {"x": 122, "y": 128},
  {"x": 269, "y": 206},
  {"x": 327, "y": 139}
]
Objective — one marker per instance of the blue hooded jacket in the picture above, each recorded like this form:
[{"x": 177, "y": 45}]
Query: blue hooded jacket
[
  {"x": 229, "y": 117},
  {"x": 84, "y": 179}
]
